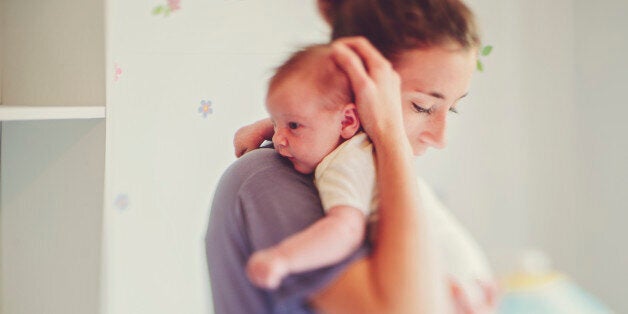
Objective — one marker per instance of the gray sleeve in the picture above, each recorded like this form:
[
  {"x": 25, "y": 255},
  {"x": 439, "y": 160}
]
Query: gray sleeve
[{"x": 259, "y": 201}]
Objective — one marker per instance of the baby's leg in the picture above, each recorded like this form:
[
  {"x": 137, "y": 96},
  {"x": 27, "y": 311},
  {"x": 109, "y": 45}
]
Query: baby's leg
[{"x": 326, "y": 242}]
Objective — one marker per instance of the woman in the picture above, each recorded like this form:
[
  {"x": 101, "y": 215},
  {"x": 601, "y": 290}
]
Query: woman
[{"x": 403, "y": 99}]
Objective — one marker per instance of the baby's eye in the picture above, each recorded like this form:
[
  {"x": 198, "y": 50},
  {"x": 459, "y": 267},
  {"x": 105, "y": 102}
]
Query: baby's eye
[
  {"x": 420, "y": 109},
  {"x": 293, "y": 125}
]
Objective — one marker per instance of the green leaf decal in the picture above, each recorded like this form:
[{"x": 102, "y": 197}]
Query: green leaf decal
[
  {"x": 487, "y": 50},
  {"x": 157, "y": 10},
  {"x": 480, "y": 66}
]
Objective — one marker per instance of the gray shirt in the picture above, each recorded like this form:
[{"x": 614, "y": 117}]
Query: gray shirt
[{"x": 260, "y": 200}]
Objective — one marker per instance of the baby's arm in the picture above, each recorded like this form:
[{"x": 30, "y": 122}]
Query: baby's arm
[
  {"x": 326, "y": 242},
  {"x": 250, "y": 137}
]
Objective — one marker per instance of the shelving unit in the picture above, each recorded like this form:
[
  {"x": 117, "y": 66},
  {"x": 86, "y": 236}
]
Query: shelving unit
[
  {"x": 52, "y": 152},
  {"x": 29, "y": 113}
]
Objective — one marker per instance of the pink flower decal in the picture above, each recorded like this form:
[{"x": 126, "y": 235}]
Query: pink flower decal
[
  {"x": 174, "y": 5},
  {"x": 117, "y": 73},
  {"x": 171, "y": 6},
  {"x": 205, "y": 108}
]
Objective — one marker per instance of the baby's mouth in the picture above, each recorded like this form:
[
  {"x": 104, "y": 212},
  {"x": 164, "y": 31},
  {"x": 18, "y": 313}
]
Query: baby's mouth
[{"x": 286, "y": 156}]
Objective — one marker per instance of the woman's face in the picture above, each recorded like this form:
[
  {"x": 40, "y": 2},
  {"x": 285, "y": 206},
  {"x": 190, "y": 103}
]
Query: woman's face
[{"x": 433, "y": 80}]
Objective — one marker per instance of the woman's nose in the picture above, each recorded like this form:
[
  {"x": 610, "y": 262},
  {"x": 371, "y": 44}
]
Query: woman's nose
[{"x": 435, "y": 135}]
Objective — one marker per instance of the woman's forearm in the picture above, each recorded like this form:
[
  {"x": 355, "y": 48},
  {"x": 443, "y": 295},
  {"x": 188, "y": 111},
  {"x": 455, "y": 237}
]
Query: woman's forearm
[
  {"x": 403, "y": 260},
  {"x": 401, "y": 275}
]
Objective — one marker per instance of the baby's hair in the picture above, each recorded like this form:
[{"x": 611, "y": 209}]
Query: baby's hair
[{"x": 315, "y": 63}]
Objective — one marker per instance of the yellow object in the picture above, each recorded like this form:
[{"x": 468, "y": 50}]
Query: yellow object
[{"x": 526, "y": 281}]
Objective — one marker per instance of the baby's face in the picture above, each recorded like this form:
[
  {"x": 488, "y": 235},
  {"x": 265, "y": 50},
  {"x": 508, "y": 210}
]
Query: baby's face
[{"x": 305, "y": 132}]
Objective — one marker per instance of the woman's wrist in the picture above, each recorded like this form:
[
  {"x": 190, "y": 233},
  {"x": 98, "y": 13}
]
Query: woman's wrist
[{"x": 392, "y": 141}]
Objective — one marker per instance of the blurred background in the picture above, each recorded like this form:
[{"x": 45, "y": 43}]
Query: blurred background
[{"x": 105, "y": 211}]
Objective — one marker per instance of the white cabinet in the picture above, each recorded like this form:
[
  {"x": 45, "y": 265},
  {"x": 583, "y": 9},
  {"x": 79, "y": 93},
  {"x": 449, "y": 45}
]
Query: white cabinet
[{"x": 52, "y": 109}]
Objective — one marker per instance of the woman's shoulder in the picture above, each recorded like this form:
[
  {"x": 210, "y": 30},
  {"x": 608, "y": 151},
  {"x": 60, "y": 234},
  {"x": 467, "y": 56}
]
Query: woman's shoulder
[
  {"x": 256, "y": 161},
  {"x": 258, "y": 164},
  {"x": 263, "y": 170}
]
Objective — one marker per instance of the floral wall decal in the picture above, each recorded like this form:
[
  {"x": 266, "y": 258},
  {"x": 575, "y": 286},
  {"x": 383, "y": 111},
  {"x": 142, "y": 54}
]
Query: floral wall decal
[
  {"x": 171, "y": 6},
  {"x": 117, "y": 72},
  {"x": 205, "y": 108},
  {"x": 122, "y": 202},
  {"x": 484, "y": 51}
]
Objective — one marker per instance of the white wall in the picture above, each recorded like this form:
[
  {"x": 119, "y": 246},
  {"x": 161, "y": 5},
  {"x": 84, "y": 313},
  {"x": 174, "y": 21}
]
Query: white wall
[
  {"x": 600, "y": 217},
  {"x": 163, "y": 156}
]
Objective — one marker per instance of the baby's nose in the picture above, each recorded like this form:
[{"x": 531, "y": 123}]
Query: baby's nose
[{"x": 279, "y": 139}]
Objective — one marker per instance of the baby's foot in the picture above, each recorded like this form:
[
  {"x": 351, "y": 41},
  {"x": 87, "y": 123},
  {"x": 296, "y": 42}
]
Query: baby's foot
[{"x": 266, "y": 269}]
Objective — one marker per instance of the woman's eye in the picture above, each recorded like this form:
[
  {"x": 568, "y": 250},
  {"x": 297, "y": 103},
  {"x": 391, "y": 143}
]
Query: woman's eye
[
  {"x": 420, "y": 109},
  {"x": 454, "y": 110},
  {"x": 293, "y": 125}
]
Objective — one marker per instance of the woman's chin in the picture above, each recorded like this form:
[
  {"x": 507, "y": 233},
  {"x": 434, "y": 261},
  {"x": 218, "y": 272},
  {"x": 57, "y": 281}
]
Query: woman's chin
[{"x": 419, "y": 151}]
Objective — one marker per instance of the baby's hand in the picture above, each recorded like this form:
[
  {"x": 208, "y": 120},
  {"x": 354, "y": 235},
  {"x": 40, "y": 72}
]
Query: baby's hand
[
  {"x": 266, "y": 269},
  {"x": 250, "y": 137}
]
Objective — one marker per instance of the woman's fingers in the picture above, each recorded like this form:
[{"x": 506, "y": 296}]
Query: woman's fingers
[
  {"x": 352, "y": 65},
  {"x": 372, "y": 58},
  {"x": 490, "y": 290},
  {"x": 365, "y": 66},
  {"x": 375, "y": 84},
  {"x": 462, "y": 304}
]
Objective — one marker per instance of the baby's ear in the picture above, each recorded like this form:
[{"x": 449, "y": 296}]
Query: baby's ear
[{"x": 350, "y": 121}]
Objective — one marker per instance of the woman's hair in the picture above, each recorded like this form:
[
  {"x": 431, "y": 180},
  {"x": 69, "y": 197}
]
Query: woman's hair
[
  {"x": 393, "y": 26},
  {"x": 315, "y": 66}
]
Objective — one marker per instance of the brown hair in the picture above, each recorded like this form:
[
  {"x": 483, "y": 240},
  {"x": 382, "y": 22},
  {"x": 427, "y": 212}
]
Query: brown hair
[
  {"x": 393, "y": 26},
  {"x": 315, "y": 64}
]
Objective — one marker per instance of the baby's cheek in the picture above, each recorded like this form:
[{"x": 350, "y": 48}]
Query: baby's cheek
[{"x": 302, "y": 167}]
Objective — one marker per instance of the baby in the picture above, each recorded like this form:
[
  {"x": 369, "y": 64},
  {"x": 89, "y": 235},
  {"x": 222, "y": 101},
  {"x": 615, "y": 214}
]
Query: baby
[{"x": 316, "y": 127}]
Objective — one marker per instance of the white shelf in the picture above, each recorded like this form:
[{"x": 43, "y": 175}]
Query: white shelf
[{"x": 17, "y": 113}]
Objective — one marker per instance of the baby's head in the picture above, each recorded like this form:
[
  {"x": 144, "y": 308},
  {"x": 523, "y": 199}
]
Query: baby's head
[{"x": 311, "y": 105}]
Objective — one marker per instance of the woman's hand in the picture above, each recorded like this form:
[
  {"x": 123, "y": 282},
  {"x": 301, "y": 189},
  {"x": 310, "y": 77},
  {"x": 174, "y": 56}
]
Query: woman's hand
[
  {"x": 376, "y": 86},
  {"x": 462, "y": 303},
  {"x": 250, "y": 137}
]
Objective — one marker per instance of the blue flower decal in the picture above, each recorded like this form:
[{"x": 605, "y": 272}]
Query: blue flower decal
[
  {"x": 122, "y": 202},
  {"x": 205, "y": 108}
]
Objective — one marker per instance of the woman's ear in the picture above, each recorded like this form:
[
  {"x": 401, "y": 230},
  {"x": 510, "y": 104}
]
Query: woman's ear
[{"x": 350, "y": 121}]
